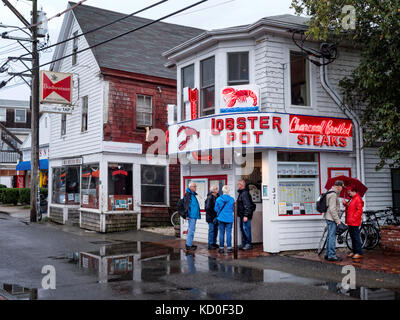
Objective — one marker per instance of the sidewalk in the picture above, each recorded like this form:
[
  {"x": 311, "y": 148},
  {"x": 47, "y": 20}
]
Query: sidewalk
[
  {"x": 15, "y": 211},
  {"x": 373, "y": 260}
]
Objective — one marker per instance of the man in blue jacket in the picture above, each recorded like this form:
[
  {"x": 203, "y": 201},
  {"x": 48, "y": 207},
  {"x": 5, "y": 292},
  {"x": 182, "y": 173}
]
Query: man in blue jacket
[{"x": 193, "y": 209}]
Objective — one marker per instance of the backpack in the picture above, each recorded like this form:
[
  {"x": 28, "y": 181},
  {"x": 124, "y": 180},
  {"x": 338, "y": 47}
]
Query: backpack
[
  {"x": 321, "y": 205},
  {"x": 181, "y": 208}
]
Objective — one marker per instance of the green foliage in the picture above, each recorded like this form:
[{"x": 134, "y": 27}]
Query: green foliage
[
  {"x": 375, "y": 83},
  {"x": 24, "y": 196},
  {"x": 2, "y": 186},
  {"x": 11, "y": 196}
]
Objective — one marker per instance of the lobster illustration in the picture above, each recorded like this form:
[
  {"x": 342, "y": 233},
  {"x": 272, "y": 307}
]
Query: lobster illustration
[
  {"x": 190, "y": 132},
  {"x": 231, "y": 96}
]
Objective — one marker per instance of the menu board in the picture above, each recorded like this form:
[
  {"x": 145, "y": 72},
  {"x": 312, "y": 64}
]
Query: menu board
[{"x": 297, "y": 198}]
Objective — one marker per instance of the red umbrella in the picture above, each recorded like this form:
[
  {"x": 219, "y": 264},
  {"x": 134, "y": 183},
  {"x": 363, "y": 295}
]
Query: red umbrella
[
  {"x": 348, "y": 181},
  {"x": 122, "y": 172}
]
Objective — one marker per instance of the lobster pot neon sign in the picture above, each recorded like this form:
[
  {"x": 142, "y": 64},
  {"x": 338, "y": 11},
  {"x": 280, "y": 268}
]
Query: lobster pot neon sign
[{"x": 240, "y": 99}]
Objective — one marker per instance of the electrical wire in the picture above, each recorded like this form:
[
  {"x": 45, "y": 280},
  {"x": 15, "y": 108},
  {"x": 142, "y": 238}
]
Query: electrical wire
[
  {"x": 46, "y": 20},
  {"x": 202, "y": 9},
  {"x": 121, "y": 35},
  {"x": 102, "y": 26},
  {"x": 111, "y": 39}
]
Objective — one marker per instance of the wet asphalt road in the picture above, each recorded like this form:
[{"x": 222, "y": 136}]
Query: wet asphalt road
[{"x": 130, "y": 266}]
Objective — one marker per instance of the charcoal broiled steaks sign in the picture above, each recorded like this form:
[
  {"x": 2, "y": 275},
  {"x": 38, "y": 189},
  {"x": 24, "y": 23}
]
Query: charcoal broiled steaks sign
[{"x": 55, "y": 87}]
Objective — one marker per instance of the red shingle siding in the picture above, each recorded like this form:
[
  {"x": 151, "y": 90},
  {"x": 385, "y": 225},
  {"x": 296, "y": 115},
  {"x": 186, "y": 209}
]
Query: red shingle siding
[{"x": 121, "y": 126}]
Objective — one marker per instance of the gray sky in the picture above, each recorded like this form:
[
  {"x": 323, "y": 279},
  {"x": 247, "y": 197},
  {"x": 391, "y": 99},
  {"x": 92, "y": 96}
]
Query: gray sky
[{"x": 213, "y": 14}]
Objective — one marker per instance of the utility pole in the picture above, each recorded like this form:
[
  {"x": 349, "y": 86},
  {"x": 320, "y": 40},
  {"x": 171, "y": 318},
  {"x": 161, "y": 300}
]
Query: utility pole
[{"x": 35, "y": 191}]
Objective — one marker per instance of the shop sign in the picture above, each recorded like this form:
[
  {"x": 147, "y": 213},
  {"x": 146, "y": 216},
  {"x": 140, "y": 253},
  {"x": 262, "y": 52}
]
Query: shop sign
[
  {"x": 72, "y": 162},
  {"x": 240, "y": 99},
  {"x": 55, "y": 87},
  {"x": 261, "y": 130}
]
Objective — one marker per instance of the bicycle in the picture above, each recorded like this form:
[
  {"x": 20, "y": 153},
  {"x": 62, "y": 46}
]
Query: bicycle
[{"x": 175, "y": 219}]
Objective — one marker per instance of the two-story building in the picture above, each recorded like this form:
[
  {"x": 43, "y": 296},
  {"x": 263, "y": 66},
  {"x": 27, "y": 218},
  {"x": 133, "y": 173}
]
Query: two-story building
[
  {"x": 15, "y": 126},
  {"x": 252, "y": 106},
  {"x": 100, "y": 177}
]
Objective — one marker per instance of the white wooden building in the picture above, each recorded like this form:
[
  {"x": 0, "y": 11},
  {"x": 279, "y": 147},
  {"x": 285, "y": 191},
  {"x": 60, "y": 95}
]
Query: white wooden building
[{"x": 262, "y": 58}]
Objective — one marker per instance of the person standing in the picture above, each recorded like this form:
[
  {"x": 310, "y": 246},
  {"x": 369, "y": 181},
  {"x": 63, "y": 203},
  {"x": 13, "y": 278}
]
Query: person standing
[
  {"x": 224, "y": 207},
  {"x": 192, "y": 207},
  {"x": 210, "y": 216},
  {"x": 332, "y": 218},
  {"x": 245, "y": 212},
  {"x": 354, "y": 211}
]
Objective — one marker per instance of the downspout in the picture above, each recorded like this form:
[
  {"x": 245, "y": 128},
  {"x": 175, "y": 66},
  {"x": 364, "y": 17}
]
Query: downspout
[{"x": 359, "y": 134}]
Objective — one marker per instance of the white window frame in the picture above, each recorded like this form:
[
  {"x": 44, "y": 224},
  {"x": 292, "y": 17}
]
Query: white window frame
[
  {"x": 15, "y": 115},
  {"x": 311, "y": 109},
  {"x": 201, "y": 88},
  {"x": 141, "y": 125},
  {"x": 165, "y": 186},
  {"x": 63, "y": 130},
  {"x": 3, "y": 116},
  {"x": 237, "y": 82},
  {"x": 75, "y": 49}
]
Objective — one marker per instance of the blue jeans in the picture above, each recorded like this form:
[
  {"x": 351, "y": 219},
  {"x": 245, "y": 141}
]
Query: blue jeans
[
  {"x": 331, "y": 239},
  {"x": 192, "y": 229},
  {"x": 355, "y": 239},
  {"x": 245, "y": 228},
  {"x": 222, "y": 227},
  {"x": 212, "y": 233}
]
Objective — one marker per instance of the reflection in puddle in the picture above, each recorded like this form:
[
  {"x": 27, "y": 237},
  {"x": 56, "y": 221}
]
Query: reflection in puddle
[
  {"x": 138, "y": 268},
  {"x": 15, "y": 292}
]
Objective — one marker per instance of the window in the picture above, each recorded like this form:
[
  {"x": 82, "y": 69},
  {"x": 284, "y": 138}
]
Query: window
[
  {"x": 153, "y": 182},
  {"x": 59, "y": 185},
  {"x": 207, "y": 89},
  {"x": 187, "y": 74},
  {"x": 299, "y": 79},
  {"x": 396, "y": 187},
  {"x": 298, "y": 183},
  {"x": 120, "y": 187},
  {"x": 238, "y": 68},
  {"x": 20, "y": 115},
  {"x": 90, "y": 186},
  {"x": 63, "y": 124},
  {"x": 75, "y": 49},
  {"x": 3, "y": 114},
  {"x": 144, "y": 111},
  {"x": 84, "y": 125}
]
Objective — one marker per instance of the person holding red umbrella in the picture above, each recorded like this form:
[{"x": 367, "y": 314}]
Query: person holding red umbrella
[{"x": 354, "y": 210}]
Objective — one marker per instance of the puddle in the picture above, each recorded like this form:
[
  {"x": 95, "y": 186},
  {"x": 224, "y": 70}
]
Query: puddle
[
  {"x": 144, "y": 268},
  {"x": 16, "y": 292}
]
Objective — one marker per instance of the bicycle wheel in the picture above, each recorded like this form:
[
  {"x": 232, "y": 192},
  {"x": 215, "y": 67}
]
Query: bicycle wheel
[
  {"x": 322, "y": 241},
  {"x": 373, "y": 237},
  {"x": 363, "y": 235},
  {"x": 175, "y": 219}
]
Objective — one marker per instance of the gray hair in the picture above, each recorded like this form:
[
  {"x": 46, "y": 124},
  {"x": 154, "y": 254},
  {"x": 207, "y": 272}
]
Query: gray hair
[
  {"x": 214, "y": 188},
  {"x": 225, "y": 190},
  {"x": 192, "y": 184}
]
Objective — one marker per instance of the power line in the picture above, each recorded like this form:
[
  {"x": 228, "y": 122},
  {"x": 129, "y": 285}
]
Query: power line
[
  {"x": 121, "y": 35},
  {"x": 101, "y": 27},
  {"x": 202, "y": 9},
  {"x": 46, "y": 20}
]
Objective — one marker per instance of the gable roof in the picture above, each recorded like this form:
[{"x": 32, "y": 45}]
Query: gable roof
[{"x": 138, "y": 52}]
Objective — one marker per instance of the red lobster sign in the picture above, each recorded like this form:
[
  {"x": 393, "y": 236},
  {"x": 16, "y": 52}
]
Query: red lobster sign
[{"x": 232, "y": 96}]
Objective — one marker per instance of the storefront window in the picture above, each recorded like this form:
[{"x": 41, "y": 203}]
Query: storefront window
[
  {"x": 298, "y": 183},
  {"x": 66, "y": 185},
  {"x": 59, "y": 184},
  {"x": 120, "y": 187},
  {"x": 90, "y": 186},
  {"x": 153, "y": 179}
]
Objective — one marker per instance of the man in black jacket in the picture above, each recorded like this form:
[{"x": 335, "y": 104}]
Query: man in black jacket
[
  {"x": 245, "y": 212},
  {"x": 210, "y": 216}
]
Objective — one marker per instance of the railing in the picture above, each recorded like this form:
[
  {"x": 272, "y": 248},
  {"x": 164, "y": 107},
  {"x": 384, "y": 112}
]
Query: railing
[{"x": 9, "y": 157}]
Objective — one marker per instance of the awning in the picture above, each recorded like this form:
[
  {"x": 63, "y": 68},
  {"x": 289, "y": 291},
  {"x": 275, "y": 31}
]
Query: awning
[{"x": 26, "y": 165}]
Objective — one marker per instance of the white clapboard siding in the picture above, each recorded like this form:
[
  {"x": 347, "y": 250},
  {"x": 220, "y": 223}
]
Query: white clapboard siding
[
  {"x": 379, "y": 183},
  {"x": 76, "y": 143}
]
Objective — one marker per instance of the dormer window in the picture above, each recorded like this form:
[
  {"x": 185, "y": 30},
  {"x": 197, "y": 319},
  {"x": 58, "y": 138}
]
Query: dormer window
[
  {"x": 207, "y": 94},
  {"x": 238, "y": 68}
]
